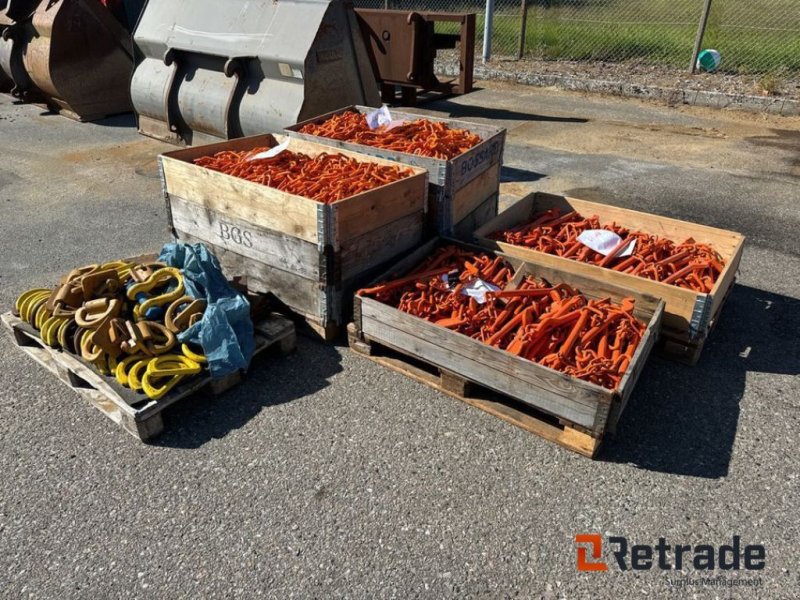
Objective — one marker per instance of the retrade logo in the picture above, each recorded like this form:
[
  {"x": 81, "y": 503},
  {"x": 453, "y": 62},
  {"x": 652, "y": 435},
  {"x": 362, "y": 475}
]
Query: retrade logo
[
  {"x": 595, "y": 542},
  {"x": 667, "y": 557}
]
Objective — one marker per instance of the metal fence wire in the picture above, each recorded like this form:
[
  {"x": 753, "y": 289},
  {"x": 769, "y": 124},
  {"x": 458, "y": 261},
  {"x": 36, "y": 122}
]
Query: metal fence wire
[{"x": 752, "y": 37}]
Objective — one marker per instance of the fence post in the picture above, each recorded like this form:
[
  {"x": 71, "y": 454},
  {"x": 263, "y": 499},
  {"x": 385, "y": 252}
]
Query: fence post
[
  {"x": 522, "y": 28},
  {"x": 701, "y": 32},
  {"x": 487, "y": 30}
]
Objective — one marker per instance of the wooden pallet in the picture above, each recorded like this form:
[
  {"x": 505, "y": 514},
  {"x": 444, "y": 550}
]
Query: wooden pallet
[
  {"x": 559, "y": 431},
  {"x": 132, "y": 411}
]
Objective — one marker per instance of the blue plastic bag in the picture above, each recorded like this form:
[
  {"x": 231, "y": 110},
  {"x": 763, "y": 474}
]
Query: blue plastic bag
[{"x": 226, "y": 331}]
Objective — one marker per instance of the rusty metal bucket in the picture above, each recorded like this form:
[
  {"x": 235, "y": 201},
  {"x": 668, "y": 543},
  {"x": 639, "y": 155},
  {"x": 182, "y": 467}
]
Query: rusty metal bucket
[
  {"x": 15, "y": 31},
  {"x": 81, "y": 58}
]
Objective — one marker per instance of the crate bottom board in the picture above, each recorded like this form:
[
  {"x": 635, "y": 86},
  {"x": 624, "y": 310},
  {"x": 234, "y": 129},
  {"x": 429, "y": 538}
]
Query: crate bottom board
[
  {"x": 512, "y": 411},
  {"x": 117, "y": 402},
  {"x": 308, "y": 325},
  {"x": 678, "y": 349}
]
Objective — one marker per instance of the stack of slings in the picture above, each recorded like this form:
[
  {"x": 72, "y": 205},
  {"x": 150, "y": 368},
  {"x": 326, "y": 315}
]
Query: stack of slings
[{"x": 125, "y": 319}]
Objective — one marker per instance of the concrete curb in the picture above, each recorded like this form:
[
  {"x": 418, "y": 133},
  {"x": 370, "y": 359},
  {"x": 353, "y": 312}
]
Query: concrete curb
[{"x": 776, "y": 106}]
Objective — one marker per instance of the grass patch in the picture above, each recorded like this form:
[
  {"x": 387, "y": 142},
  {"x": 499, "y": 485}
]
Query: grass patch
[{"x": 762, "y": 37}]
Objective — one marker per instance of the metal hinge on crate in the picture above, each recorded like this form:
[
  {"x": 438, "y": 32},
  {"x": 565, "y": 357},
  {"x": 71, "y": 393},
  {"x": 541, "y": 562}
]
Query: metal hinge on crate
[{"x": 700, "y": 316}]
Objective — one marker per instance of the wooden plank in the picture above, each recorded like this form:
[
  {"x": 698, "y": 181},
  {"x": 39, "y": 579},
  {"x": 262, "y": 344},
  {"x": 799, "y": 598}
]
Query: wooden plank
[
  {"x": 725, "y": 242},
  {"x": 301, "y": 294},
  {"x": 464, "y": 229},
  {"x": 546, "y": 389},
  {"x": 724, "y": 284},
  {"x": 258, "y": 204},
  {"x": 505, "y": 409},
  {"x": 469, "y": 165},
  {"x": 188, "y": 155},
  {"x": 362, "y": 253},
  {"x": 272, "y": 248},
  {"x": 472, "y": 195},
  {"x": 356, "y": 216}
]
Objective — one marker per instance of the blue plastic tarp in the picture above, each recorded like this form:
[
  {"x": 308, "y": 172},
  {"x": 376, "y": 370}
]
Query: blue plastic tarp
[{"x": 226, "y": 331}]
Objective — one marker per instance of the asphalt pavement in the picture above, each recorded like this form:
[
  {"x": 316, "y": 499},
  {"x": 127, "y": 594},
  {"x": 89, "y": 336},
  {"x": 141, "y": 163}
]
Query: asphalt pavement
[{"x": 324, "y": 475}]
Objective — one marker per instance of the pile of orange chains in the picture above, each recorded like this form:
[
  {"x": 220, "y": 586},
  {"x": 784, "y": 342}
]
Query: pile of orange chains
[
  {"x": 421, "y": 137},
  {"x": 688, "y": 265},
  {"x": 555, "y": 326},
  {"x": 325, "y": 178}
]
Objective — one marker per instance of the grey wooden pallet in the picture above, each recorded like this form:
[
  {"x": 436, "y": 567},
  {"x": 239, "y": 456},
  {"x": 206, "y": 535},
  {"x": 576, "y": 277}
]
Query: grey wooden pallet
[{"x": 137, "y": 415}]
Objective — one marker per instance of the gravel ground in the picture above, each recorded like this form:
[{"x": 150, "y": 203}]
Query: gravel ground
[
  {"x": 645, "y": 75},
  {"x": 326, "y": 476}
]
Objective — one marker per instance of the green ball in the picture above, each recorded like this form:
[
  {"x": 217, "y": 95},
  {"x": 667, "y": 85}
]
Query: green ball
[{"x": 708, "y": 60}]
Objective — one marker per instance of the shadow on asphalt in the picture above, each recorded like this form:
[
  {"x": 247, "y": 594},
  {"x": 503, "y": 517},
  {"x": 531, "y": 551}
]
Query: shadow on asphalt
[
  {"x": 683, "y": 420},
  {"x": 122, "y": 120},
  {"x": 272, "y": 380},
  {"x": 460, "y": 111},
  {"x": 514, "y": 175}
]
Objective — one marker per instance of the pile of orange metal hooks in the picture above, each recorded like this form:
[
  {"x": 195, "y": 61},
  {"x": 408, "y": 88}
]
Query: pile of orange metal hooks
[
  {"x": 422, "y": 137},
  {"x": 325, "y": 178},
  {"x": 555, "y": 326},
  {"x": 688, "y": 265}
]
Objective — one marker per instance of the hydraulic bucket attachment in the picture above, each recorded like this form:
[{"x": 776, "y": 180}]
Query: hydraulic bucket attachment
[
  {"x": 219, "y": 70},
  {"x": 15, "y": 32},
  {"x": 75, "y": 56},
  {"x": 81, "y": 58}
]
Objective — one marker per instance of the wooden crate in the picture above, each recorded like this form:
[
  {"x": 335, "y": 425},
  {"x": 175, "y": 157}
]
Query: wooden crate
[
  {"x": 578, "y": 406},
  {"x": 688, "y": 315},
  {"x": 310, "y": 255},
  {"x": 463, "y": 191},
  {"x": 134, "y": 412}
]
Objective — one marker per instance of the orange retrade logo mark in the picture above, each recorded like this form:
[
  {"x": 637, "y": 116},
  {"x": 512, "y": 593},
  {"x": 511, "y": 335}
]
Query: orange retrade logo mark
[{"x": 597, "y": 552}]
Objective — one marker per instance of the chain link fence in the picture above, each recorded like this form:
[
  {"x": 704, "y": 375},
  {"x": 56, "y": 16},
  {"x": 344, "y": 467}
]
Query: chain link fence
[{"x": 752, "y": 37}]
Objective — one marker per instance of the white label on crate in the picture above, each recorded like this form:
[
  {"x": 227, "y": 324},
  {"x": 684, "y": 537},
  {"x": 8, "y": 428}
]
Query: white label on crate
[
  {"x": 604, "y": 242},
  {"x": 272, "y": 152},
  {"x": 477, "y": 288},
  {"x": 379, "y": 117}
]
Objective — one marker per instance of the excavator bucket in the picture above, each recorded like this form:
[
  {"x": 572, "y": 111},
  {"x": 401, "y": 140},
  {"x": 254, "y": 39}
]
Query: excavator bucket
[
  {"x": 15, "y": 32},
  {"x": 81, "y": 58},
  {"x": 215, "y": 70}
]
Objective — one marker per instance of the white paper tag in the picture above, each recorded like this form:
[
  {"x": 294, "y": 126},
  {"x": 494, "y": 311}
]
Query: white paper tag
[
  {"x": 477, "y": 288},
  {"x": 272, "y": 152},
  {"x": 379, "y": 117},
  {"x": 603, "y": 241}
]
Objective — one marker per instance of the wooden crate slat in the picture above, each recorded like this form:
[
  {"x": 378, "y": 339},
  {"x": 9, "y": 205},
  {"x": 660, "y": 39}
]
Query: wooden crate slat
[{"x": 243, "y": 237}]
